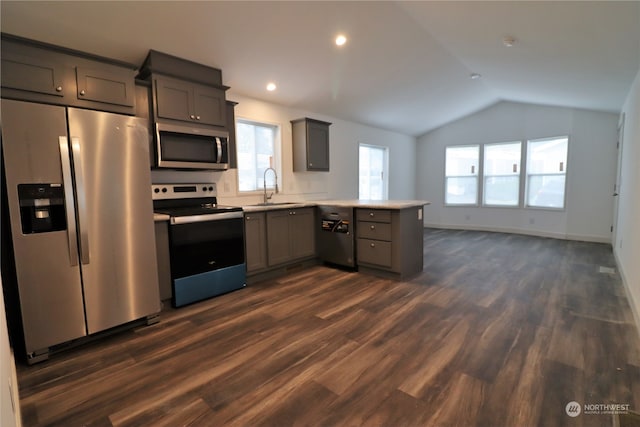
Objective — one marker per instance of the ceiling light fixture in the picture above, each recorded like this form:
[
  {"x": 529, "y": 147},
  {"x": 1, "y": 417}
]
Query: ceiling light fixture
[
  {"x": 271, "y": 87},
  {"x": 509, "y": 41},
  {"x": 341, "y": 40},
  {"x": 474, "y": 76}
]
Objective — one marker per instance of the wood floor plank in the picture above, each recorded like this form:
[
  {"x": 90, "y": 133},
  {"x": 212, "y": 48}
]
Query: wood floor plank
[{"x": 498, "y": 330}]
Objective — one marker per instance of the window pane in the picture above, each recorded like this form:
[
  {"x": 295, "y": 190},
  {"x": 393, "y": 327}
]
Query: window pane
[
  {"x": 462, "y": 161},
  {"x": 461, "y": 190},
  {"x": 501, "y": 190},
  {"x": 547, "y": 156},
  {"x": 372, "y": 174},
  {"x": 255, "y": 143},
  {"x": 502, "y": 159},
  {"x": 546, "y": 191},
  {"x": 502, "y": 174},
  {"x": 546, "y": 170},
  {"x": 461, "y": 170}
]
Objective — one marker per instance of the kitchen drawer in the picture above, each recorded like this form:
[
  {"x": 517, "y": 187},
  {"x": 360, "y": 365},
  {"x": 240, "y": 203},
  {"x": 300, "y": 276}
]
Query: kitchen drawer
[
  {"x": 374, "y": 252},
  {"x": 375, "y": 215},
  {"x": 374, "y": 230}
]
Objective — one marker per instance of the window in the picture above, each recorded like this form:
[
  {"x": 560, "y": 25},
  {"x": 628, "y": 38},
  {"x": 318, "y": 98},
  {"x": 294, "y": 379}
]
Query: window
[
  {"x": 546, "y": 172},
  {"x": 373, "y": 174},
  {"x": 461, "y": 175},
  {"x": 501, "y": 170},
  {"x": 256, "y": 145}
]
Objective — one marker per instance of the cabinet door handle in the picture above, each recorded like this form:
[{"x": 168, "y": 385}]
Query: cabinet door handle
[
  {"x": 197, "y": 117},
  {"x": 248, "y": 218},
  {"x": 373, "y": 245},
  {"x": 82, "y": 92},
  {"x": 59, "y": 89},
  {"x": 192, "y": 117}
]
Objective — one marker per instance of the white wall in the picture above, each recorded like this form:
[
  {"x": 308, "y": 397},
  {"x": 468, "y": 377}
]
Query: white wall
[
  {"x": 591, "y": 170},
  {"x": 342, "y": 180},
  {"x": 627, "y": 239}
]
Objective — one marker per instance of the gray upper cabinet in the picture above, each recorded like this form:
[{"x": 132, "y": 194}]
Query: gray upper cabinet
[
  {"x": 310, "y": 145},
  {"x": 34, "y": 71},
  {"x": 189, "y": 102},
  {"x": 31, "y": 74},
  {"x": 106, "y": 85}
]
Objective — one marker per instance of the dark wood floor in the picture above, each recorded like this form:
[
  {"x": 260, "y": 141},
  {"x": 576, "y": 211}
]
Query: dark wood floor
[{"x": 499, "y": 330}]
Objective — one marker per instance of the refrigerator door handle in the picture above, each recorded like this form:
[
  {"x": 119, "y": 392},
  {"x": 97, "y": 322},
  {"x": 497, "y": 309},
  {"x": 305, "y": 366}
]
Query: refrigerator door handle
[
  {"x": 82, "y": 200},
  {"x": 68, "y": 199}
]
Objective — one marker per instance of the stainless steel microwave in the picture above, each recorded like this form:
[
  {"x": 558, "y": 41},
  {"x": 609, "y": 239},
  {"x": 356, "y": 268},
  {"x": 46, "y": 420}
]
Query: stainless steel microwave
[{"x": 184, "y": 147}]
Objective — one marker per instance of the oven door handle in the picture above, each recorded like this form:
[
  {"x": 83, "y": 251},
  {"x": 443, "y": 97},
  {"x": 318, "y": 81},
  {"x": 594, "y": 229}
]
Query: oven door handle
[{"x": 177, "y": 220}]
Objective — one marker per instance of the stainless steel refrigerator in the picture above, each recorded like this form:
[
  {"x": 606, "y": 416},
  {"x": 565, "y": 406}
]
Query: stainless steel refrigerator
[{"x": 81, "y": 219}]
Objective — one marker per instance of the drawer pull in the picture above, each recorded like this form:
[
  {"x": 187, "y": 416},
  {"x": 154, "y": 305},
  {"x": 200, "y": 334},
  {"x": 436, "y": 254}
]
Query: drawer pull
[
  {"x": 373, "y": 227},
  {"x": 59, "y": 89},
  {"x": 371, "y": 214},
  {"x": 373, "y": 245}
]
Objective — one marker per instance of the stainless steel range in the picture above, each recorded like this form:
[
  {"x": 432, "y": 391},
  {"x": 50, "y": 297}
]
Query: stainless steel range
[{"x": 206, "y": 241}]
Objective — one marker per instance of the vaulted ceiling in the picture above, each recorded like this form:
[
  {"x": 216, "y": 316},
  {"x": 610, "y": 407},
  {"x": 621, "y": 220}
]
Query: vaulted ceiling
[{"x": 406, "y": 66}]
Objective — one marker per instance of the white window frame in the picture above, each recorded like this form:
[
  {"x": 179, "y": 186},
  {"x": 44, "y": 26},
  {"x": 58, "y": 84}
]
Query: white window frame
[
  {"x": 485, "y": 176},
  {"x": 563, "y": 173},
  {"x": 477, "y": 176},
  {"x": 276, "y": 155},
  {"x": 385, "y": 168}
]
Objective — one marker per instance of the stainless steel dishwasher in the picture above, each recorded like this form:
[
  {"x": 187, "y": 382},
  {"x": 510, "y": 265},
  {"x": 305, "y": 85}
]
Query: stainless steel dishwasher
[{"x": 336, "y": 236}]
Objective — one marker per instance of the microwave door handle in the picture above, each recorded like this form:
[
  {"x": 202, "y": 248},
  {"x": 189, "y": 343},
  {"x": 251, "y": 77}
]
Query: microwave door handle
[
  {"x": 158, "y": 146},
  {"x": 82, "y": 200},
  {"x": 67, "y": 183},
  {"x": 219, "y": 146}
]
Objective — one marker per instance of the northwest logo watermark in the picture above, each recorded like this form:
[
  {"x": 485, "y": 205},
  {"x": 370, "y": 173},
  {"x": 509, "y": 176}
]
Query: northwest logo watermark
[{"x": 573, "y": 408}]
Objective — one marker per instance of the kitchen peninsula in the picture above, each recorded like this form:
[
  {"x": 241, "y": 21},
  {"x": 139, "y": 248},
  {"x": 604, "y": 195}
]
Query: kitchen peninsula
[{"x": 388, "y": 236}]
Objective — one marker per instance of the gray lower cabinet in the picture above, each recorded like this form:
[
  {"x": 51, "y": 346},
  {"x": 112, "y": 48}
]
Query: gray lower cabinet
[
  {"x": 255, "y": 241},
  {"x": 389, "y": 241},
  {"x": 290, "y": 235},
  {"x": 278, "y": 237}
]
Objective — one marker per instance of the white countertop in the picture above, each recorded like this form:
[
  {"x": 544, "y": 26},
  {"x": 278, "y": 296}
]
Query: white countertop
[{"x": 371, "y": 204}]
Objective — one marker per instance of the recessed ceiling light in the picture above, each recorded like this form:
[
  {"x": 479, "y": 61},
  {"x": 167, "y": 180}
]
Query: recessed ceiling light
[
  {"x": 475, "y": 76},
  {"x": 340, "y": 40},
  {"x": 509, "y": 41},
  {"x": 271, "y": 87}
]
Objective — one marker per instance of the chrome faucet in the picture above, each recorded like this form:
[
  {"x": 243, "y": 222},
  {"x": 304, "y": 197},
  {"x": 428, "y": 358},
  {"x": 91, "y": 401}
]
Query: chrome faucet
[{"x": 264, "y": 180}]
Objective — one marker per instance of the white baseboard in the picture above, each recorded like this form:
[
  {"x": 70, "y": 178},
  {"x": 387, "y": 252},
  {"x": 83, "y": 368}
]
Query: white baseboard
[
  {"x": 513, "y": 230},
  {"x": 625, "y": 284}
]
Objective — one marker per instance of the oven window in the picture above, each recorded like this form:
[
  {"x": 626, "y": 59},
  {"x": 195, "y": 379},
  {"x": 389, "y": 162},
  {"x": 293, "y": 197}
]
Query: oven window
[
  {"x": 188, "y": 148},
  {"x": 206, "y": 246}
]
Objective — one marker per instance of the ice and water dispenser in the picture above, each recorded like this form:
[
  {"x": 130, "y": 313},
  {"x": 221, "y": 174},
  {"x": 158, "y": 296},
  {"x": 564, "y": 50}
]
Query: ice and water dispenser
[{"x": 41, "y": 208}]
